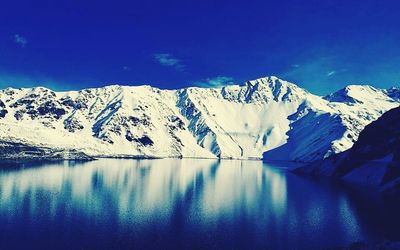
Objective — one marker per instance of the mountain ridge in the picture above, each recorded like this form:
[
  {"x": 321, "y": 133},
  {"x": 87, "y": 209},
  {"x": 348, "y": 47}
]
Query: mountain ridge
[{"x": 261, "y": 118}]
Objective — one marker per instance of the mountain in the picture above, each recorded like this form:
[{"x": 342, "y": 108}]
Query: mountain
[
  {"x": 266, "y": 117},
  {"x": 374, "y": 159}
]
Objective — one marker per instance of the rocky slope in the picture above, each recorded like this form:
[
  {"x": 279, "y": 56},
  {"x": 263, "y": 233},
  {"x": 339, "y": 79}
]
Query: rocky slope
[
  {"x": 18, "y": 151},
  {"x": 267, "y": 117},
  {"x": 374, "y": 159}
]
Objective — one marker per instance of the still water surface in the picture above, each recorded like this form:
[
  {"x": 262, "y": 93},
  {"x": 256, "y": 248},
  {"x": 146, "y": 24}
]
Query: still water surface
[{"x": 172, "y": 203}]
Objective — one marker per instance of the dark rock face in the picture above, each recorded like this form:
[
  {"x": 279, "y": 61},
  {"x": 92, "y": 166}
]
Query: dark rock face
[
  {"x": 49, "y": 108},
  {"x": 380, "y": 137},
  {"x": 378, "y": 147},
  {"x": 3, "y": 110},
  {"x": 176, "y": 123},
  {"x": 35, "y": 105},
  {"x": 129, "y": 136},
  {"x": 378, "y": 140},
  {"x": 2, "y": 105},
  {"x": 136, "y": 121},
  {"x": 72, "y": 124},
  {"x": 3, "y": 113},
  {"x": 75, "y": 104},
  {"x": 145, "y": 140}
]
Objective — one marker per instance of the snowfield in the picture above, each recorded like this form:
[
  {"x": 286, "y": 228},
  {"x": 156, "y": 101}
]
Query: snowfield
[{"x": 265, "y": 118}]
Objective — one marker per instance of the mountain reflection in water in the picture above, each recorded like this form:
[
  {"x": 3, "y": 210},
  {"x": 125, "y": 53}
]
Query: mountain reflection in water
[{"x": 172, "y": 203}]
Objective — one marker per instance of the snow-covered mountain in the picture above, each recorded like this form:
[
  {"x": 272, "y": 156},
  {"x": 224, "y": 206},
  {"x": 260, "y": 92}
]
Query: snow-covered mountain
[
  {"x": 374, "y": 159},
  {"x": 266, "y": 117}
]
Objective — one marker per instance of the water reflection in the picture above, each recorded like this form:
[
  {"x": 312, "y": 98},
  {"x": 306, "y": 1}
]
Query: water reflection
[
  {"x": 174, "y": 203},
  {"x": 146, "y": 189}
]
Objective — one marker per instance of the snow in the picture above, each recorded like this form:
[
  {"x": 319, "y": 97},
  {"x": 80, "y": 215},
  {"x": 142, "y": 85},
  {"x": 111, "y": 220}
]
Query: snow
[{"x": 266, "y": 117}]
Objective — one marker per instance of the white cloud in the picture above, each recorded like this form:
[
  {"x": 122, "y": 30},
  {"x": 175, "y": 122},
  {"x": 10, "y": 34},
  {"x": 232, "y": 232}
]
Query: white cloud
[
  {"x": 169, "y": 60},
  {"x": 331, "y": 73},
  {"x": 215, "y": 82},
  {"x": 18, "y": 39}
]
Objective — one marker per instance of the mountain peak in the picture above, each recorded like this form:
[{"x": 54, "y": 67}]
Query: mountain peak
[
  {"x": 276, "y": 88},
  {"x": 357, "y": 94},
  {"x": 272, "y": 81}
]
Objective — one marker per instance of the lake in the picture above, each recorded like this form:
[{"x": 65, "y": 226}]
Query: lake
[{"x": 184, "y": 203}]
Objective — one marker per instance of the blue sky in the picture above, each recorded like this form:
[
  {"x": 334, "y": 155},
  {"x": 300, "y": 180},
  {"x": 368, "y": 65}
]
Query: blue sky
[{"x": 320, "y": 45}]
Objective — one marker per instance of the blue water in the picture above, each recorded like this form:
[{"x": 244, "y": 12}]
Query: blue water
[{"x": 172, "y": 203}]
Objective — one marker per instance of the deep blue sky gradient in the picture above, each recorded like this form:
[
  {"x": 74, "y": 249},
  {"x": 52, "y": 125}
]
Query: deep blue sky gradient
[{"x": 320, "y": 45}]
